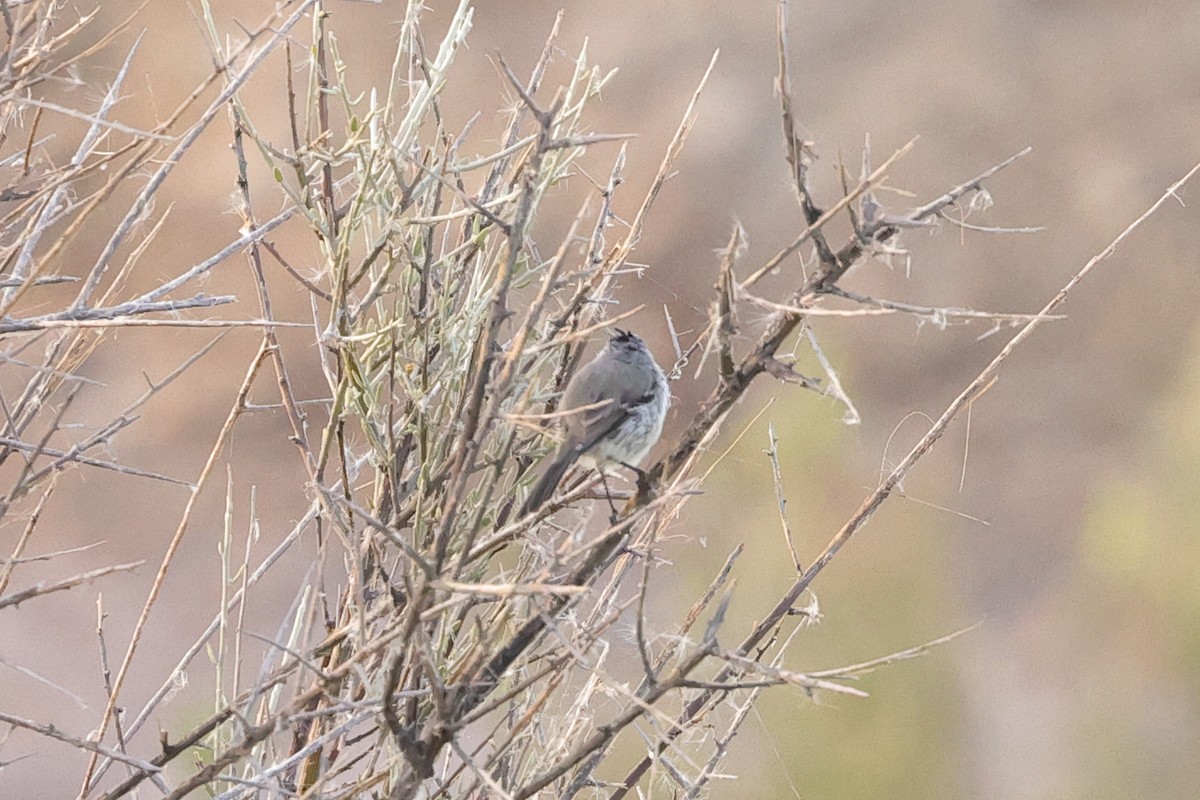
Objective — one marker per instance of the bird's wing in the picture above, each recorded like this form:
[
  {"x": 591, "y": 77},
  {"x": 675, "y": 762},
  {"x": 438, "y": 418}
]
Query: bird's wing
[
  {"x": 587, "y": 389},
  {"x": 635, "y": 388}
]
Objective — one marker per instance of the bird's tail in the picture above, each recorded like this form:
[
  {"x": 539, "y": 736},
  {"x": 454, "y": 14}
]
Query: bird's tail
[{"x": 546, "y": 484}]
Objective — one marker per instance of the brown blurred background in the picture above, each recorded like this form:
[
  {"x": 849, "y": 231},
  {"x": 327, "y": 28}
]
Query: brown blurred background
[{"x": 1062, "y": 519}]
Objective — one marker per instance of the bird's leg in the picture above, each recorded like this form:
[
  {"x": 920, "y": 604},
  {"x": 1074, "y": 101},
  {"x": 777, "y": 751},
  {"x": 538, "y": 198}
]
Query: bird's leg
[
  {"x": 643, "y": 482},
  {"x": 613, "y": 518}
]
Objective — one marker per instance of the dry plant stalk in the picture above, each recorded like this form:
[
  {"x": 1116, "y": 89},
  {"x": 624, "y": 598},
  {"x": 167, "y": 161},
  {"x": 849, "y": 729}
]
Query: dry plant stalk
[{"x": 467, "y": 650}]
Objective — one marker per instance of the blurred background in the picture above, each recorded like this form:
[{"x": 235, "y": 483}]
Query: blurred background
[{"x": 1061, "y": 517}]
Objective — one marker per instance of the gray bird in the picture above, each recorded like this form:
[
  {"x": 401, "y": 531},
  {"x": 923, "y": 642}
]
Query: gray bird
[{"x": 630, "y": 395}]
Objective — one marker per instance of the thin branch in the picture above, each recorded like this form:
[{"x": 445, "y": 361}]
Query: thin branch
[
  {"x": 780, "y": 497},
  {"x": 83, "y": 743},
  {"x": 39, "y": 589}
]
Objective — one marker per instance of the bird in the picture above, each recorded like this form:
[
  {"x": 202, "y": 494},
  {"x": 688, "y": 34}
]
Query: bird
[{"x": 615, "y": 406}]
